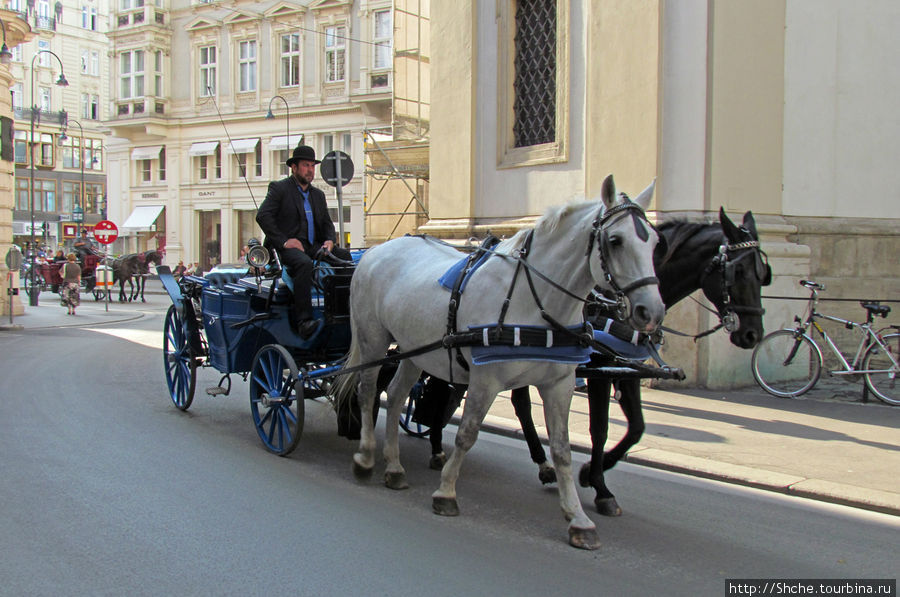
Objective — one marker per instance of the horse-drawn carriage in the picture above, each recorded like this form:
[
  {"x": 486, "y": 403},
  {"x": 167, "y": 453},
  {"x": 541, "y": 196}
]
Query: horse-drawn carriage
[
  {"x": 242, "y": 327},
  {"x": 50, "y": 273}
]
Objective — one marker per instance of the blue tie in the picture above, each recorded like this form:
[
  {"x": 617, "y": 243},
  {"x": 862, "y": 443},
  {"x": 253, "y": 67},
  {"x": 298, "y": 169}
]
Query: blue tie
[{"x": 310, "y": 224}]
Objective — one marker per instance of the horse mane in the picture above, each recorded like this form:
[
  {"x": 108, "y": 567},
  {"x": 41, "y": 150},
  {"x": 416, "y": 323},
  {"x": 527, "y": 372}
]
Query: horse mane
[
  {"x": 547, "y": 223},
  {"x": 680, "y": 232}
]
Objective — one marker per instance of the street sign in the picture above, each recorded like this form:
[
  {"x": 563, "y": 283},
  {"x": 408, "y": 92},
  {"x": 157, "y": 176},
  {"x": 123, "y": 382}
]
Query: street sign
[
  {"x": 77, "y": 214},
  {"x": 332, "y": 171},
  {"x": 14, "y": 259},
  {"x": 106, "y": 232}
]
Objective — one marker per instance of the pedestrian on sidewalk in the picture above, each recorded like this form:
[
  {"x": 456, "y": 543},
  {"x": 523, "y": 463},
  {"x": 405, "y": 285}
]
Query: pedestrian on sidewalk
[{"x": 71, "y": 288}]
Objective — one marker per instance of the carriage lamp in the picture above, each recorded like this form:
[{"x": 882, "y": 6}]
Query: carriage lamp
[{"x": 258, "y": 256}]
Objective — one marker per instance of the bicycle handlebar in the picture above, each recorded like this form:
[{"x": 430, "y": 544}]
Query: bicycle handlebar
[{"x": 812, "y": 285}]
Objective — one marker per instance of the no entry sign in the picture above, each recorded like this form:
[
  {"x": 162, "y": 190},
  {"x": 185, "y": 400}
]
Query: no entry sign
[{"x": 106, "y": 232}]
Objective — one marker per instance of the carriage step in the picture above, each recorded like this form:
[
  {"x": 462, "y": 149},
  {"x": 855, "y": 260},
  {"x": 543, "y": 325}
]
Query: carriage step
[{"x": 216, "y": 391}]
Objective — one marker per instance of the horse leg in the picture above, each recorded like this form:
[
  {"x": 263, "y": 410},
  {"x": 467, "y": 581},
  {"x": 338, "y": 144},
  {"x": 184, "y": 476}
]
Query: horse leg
[
  {"x": 521, "y": 401},
  {"x": 398, "y": 391},
  {"x": 630, "y": 401},
  {"x": 591, "y": 473},
  {"x": 439, "y": 395},
  {"x": 364, "y": 458},
  {"x": 478, "y": 402},
  {"x": 557, "y": 398}
]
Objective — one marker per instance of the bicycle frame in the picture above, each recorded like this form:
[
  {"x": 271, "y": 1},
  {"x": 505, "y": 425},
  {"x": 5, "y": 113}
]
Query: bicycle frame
[{"x": 869, "y": 339}]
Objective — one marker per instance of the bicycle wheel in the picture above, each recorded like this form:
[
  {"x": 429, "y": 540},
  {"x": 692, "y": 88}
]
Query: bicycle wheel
[
  {"x": 785, "y": 364},
  {"x": 883, "y": 371}
]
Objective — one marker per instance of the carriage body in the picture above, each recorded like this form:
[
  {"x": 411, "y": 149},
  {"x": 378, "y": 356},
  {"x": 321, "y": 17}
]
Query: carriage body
[{"x": 231, "y": 347}]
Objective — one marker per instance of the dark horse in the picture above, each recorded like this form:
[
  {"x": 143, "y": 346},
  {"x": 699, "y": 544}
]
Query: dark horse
[
  {"x": 723, "y": 260},
  {"x": 133, "y": 268}
]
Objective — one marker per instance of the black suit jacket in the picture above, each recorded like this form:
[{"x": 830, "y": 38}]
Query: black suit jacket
[{"x": 281, "y": 215}]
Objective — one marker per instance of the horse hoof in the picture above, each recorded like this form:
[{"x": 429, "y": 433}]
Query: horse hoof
[
  {"x": 547, "y": 475},
  {"x": 584, "y": 538},
  {"x": 362, "y": 473},
  {"x": 608, "y": 506},
  {"x": 395, "y": 480},
  {"x": 584, "y": 475},
  {"x": 444, "y": 506},
  {"x": 437, "y": 461}
]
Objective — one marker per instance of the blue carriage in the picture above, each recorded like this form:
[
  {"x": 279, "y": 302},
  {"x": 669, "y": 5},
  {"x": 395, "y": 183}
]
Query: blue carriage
[{"x": 238, "y": 322}]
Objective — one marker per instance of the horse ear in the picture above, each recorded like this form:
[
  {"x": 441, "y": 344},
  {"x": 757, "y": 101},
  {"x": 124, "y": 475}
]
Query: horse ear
[
  {"x": 731, "y": 231},
  {"x": 608, "y": 192},
  {"x": 646, "y": 196},
  {"x": 750, "y": 224}
]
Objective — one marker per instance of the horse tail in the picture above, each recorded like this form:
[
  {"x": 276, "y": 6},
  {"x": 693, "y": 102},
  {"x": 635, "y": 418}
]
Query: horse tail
[{"x": 344, "y": 387}]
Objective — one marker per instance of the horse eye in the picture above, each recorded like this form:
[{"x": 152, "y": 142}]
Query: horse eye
[{"x": 615, "y": 241}]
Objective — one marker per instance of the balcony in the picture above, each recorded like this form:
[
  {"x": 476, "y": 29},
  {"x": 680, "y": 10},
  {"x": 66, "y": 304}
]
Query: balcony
[
  {"x": 45, "y": 23},
  {"x": 143, "y": 115},
  {"x": 141, "y": 16},
  {"x": 45, "y": 116}
]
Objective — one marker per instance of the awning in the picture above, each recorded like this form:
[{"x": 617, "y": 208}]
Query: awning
[
  {"x": 204, "y": 148},
  {"x": 146, "y": 153},
  {"x": 241, "y": 146},
  {"x": 143, "y": 217},
  {"x": 282, "y": 142}
]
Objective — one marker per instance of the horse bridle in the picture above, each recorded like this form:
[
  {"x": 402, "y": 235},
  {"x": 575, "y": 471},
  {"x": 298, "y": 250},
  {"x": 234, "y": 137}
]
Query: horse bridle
[
  {"x": 599, "y": 236},
  {"x": 729, "y": 314}
]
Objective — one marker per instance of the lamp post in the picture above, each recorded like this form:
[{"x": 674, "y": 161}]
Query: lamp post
[
  {"x": 78, "y": 210},
  {"x": 287, "y": 109},
  {"x": 33, "y": 294}
]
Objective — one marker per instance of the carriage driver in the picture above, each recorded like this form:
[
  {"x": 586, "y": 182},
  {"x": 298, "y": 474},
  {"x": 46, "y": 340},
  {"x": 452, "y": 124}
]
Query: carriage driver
[{"x": 284, "y": 216}]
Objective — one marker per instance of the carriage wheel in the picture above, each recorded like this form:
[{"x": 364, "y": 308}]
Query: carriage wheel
[
  {"x": 276, "y": 399},
  {"x": 410, "y": 426},
  {"x": 181, "y": 365}
]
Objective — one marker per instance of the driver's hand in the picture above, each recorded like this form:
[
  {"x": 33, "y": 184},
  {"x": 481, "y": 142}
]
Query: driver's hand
[
  {"x": 293, "y": 243},
  {"x": 328, "y": 245}
]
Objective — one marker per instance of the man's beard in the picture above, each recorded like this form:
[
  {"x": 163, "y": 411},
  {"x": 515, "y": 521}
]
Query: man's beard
[{"x": 302, "y": 180}]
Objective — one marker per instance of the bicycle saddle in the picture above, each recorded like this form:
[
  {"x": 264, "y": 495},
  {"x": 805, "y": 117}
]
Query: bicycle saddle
[{"x": 876, "y": 309}]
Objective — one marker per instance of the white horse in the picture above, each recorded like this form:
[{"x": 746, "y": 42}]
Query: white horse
[{"x": 395, "y": 296}]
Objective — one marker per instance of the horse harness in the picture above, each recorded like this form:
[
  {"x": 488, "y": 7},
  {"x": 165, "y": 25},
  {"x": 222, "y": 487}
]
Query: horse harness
[
  {"x": 558, "y": 334},
  {"x": 725, "y": 265}
]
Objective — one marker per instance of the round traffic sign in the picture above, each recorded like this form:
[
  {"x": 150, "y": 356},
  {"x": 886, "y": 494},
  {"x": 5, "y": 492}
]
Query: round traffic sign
[
  {"x": 106, "y": 232},
  {"x": 329, "y": 168},
  {"x": 14, "y": 258}
]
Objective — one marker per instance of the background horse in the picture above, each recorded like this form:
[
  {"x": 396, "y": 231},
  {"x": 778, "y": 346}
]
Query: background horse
[
  {"x": 395, "y": 296},
  {"x": 723, "y": 260},
  {"x": 133, "y": 268}
]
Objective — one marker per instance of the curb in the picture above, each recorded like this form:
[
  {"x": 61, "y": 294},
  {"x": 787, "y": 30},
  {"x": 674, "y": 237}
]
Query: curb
[{"x": 885, "y": 502}]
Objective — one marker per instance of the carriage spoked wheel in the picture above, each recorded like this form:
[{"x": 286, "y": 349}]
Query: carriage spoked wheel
[
  {"x": 276, "y": 399},
  {"x": 413, "y": 428},
  {"x": 181, "y": 366}
]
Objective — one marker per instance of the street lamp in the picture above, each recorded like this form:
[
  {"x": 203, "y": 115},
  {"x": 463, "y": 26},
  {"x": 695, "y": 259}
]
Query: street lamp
[
  {"x": 33, "y": 294},
  {"x": 287, "y": 109},
  {"x": 5, "y": 54},
  {"x": 79, "y": 209}
]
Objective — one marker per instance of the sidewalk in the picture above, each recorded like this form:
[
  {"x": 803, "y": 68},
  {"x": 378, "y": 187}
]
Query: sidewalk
[
  {"x": 50, "y": 314},
  {"x": 827, "y": 446}
]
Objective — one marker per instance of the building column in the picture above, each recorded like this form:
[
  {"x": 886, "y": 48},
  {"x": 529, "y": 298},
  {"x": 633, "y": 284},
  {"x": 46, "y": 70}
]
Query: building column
[
  {"x": 454, "y": 34},
  {"x": 17, "y": 31}
]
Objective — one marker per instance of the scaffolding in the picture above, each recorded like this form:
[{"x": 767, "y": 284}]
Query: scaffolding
[{"x": 397, "y": 182}]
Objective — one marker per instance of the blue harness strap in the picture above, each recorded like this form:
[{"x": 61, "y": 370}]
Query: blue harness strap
[{"x": 460, "y": 270}]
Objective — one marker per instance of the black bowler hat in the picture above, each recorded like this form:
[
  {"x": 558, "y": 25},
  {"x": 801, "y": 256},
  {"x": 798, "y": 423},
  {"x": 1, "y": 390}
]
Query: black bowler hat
[{"x": 303, "y": 152}]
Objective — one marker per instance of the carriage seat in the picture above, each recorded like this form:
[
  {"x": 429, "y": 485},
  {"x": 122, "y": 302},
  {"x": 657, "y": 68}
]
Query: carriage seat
[{"x": 223, "y": 274}]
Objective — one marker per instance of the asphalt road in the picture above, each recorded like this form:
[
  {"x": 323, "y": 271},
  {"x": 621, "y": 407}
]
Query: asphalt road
[{"x": 107, "y": 489}]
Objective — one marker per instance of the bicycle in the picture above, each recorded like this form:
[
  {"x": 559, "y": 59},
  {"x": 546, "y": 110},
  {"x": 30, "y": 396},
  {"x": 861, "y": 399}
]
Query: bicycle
[{"x": 787, "y": 363}]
